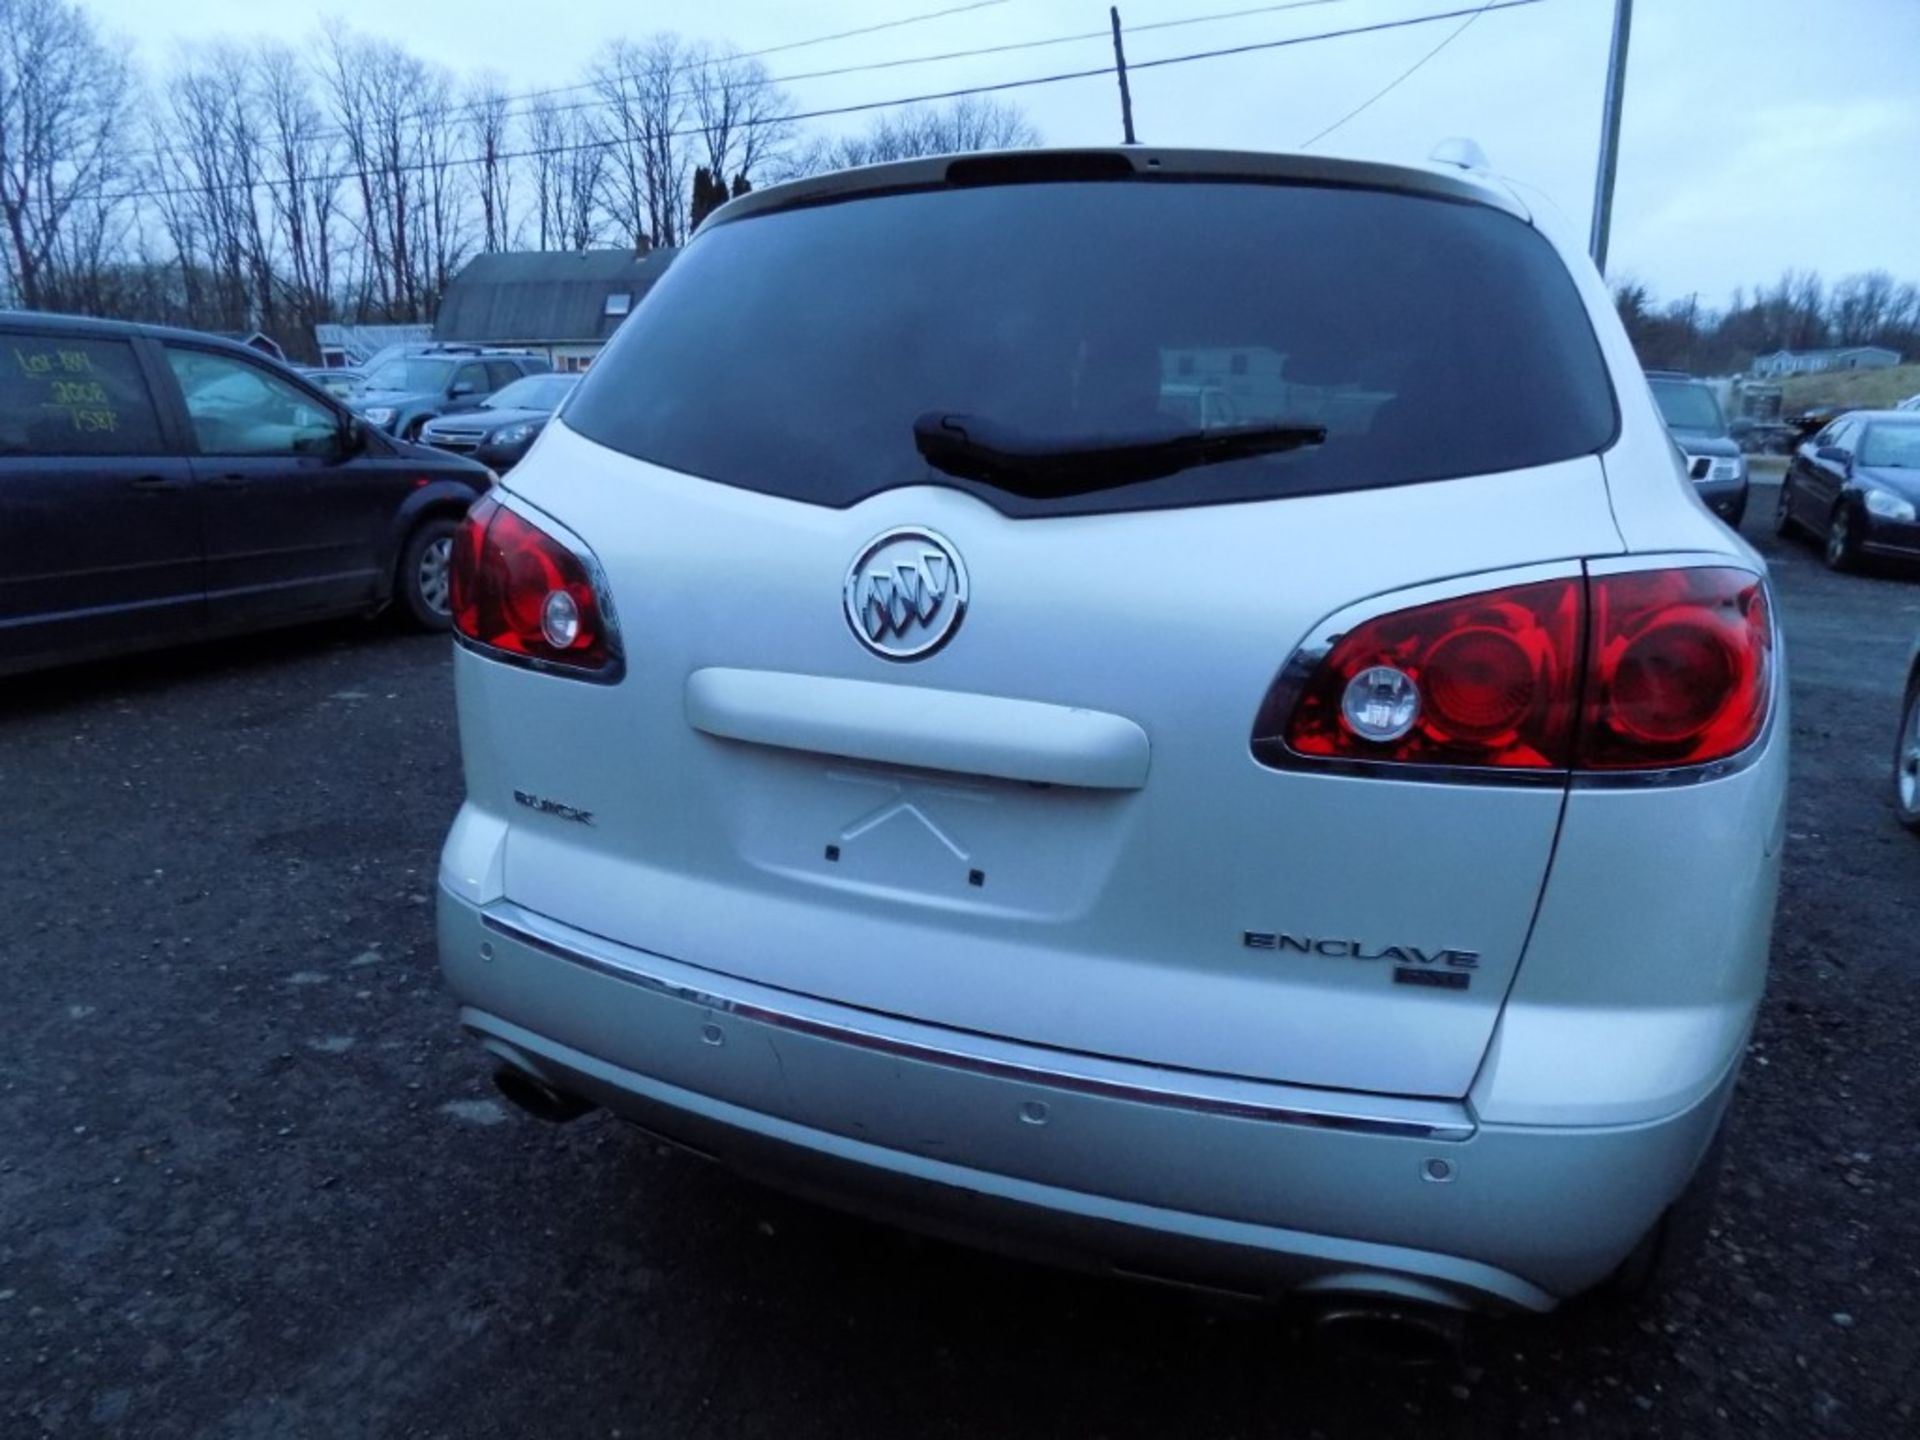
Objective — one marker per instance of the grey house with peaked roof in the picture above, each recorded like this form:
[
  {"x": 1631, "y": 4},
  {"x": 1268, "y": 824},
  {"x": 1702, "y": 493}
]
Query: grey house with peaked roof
[{"x": 565, "y": 305}]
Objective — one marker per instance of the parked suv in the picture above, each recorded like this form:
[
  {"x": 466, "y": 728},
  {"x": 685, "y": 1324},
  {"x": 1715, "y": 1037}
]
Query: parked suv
[
  {"x": 159, "y": 486},
  {"x": 1713, "y": 459},
  {"x": 402, "y": 394},
  {"x": 911, "y": 757}
]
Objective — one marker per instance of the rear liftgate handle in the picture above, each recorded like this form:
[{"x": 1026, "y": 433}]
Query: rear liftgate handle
[{"x": 951, "y": 730}]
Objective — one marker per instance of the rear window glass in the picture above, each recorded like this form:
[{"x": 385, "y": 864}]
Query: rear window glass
[{"x": 791, "y": 353}]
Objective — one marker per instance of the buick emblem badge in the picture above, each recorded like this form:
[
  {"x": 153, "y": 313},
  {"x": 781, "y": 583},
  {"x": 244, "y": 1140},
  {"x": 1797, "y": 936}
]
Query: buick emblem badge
[{"x": 906, "y": 593}]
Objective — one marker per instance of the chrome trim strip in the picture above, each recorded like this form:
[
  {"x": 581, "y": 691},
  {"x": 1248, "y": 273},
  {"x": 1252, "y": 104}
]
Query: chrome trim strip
[{"x": 1224, "y": 1095}]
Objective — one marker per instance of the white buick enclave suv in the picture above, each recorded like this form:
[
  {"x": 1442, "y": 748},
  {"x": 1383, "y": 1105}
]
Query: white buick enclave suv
[{"x": 1323, "y": 841}]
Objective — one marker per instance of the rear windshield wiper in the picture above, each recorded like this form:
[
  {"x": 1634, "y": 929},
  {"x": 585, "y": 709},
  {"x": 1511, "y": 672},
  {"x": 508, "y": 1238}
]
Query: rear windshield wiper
[{"x": 1045, "y": 467}]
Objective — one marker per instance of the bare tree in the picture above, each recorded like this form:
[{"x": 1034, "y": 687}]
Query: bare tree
[
  {"x": 487, "y": 111},
  {"x": 444, "y": 185},
  {"x": 569, "y": 169},
  {"x": 398, "y": 131},
  {"x": 645, "y": 93},
  {"x": 1864, "y": 307},
  {"x": 739, "y": 114},
  {"x": 64, "y": 96},
  {"x": 304, "y": 192},
  {"x": 214, "y": 151}
]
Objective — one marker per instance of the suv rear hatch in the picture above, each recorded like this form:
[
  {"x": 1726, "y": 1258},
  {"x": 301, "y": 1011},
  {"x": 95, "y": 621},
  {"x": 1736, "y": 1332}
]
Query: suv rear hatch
[{"x": 1051, "y": 827}]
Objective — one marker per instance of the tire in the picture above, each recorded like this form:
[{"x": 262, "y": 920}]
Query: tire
[
  {"x": 1906, "y": 761},
  {"x": 1784, "y": 525},
  {"x": 1842, "y": 551},
  {"x": 411, "y": 432},
  {"x": 1668, "y": 1250},
  {"x": 420, "y": 584}
]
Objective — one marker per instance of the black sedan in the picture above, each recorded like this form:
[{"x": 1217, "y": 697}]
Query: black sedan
[
  {"x": 1857, "y": 485},
  {"x": 159, "y": 486},
  {"x": 502, "y": 430}
]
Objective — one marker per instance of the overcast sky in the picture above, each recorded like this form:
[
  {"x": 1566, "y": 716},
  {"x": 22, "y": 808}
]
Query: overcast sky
[{"x": 1760, "y": 134}]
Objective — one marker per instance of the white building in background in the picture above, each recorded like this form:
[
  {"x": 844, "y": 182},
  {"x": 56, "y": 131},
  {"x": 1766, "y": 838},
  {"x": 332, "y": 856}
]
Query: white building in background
[{"x": 1813, "y": 362}]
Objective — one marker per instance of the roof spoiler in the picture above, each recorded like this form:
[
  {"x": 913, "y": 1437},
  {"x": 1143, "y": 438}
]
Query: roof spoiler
[{"x": 1461, "y": 151}]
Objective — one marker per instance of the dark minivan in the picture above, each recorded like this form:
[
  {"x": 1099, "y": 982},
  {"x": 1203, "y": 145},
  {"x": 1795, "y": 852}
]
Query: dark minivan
[{"x": 159, "y": 486}]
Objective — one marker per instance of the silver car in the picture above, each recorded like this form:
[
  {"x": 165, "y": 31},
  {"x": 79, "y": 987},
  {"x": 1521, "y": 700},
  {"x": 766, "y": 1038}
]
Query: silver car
[{"x": 913, "y": 756}]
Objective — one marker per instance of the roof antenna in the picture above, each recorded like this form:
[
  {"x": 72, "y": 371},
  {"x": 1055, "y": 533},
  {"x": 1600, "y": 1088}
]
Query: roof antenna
[
  {"x": 1120, "y": 69},
  {"x": 1460, "y": 151}
]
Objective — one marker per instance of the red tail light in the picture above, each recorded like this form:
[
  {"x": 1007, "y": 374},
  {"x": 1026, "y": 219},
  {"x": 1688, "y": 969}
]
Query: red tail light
[
  {"x": 1493, "y": 676},
  {"x": 521, "y": 593},
  {"x": 1633, "y": 671},
  {"x": 1681, "y": 669}
]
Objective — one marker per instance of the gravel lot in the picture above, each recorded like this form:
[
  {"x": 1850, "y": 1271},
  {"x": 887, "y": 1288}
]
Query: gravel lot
[{"x": 252, "y": 1183}]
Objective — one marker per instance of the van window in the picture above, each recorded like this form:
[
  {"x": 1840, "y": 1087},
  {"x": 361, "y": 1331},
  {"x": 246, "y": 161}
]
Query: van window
[
  {"x": 67, "y": 395},
  {"x": 792, "y": 352},
  {"x": 239, "y": 408}
]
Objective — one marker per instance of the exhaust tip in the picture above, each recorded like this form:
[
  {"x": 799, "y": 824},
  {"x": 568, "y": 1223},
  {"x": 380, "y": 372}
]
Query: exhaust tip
[
  {"x": 537, "y": 1098},
  {"x": 1391, "y": 1337}
]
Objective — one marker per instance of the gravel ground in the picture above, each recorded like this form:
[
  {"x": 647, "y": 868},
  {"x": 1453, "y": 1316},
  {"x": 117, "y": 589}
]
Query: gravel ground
[{"x": 253, "y": 1184}]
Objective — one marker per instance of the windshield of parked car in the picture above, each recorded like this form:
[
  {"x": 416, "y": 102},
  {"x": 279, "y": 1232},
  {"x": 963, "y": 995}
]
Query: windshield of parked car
[
  {"x": 1686, "y": 405},
  {"x": 794, "y": 353},
  {"x": 411, "y": 373},
  {"x": 536, "y": 392},
  {"x": 1891, "y": 447}
]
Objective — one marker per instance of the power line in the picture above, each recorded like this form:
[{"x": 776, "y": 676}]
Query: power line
[
  {"x": 977, "y": 52},
  {"x": 470, "y": 107},
  {"x": 710, "y": 61},
  {"x": 1394, "y": 83},
  {"x": 862, "y": 107},
  {"x": 705, "y": 62}
]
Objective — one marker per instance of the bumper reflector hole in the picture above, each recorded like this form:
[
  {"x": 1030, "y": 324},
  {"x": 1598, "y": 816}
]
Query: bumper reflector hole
[
  {"x": 1033, "y": 1112},
  {"x": 1437, "y": 1170},
  {"x": 976, "y": 878},
  {"x": 713, "y": 1035},
  {"x": 833, "y": 852}
]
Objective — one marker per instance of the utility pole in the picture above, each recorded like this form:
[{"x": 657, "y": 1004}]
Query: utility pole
[
  {"x": 1120, "y": 67},
  {"x": 1610, "y": 133}
]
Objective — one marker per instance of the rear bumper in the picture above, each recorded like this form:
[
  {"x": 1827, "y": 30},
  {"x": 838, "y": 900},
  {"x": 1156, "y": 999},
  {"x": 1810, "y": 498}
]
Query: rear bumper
[{"x": 1242, "y": 1185}]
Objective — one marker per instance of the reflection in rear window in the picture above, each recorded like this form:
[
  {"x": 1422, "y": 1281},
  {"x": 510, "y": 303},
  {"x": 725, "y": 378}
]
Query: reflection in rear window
[{"x": 791, "y": 353}]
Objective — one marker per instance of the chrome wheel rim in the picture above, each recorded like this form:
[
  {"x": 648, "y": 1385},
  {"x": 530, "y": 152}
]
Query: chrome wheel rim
[
  {"x": 435, "y": 561},
  {"x": 1837, "y": 538},
  {"x": 1908, "y": 775}
]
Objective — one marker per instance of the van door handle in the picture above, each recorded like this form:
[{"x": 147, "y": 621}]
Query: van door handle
[{"x": 156, "y": 482}]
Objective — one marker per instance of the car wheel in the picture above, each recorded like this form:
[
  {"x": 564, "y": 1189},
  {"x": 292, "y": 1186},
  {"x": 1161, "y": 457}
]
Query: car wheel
[
  {"x": 1783, "y": 522},
  {"x": 1677, "y": 1237},
  {"x": 1843, "y": 549},
  {"x": 426, "y": 564},
  {"x": 1906, "y": 761},
  {"x": 413, "y": 429}
]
